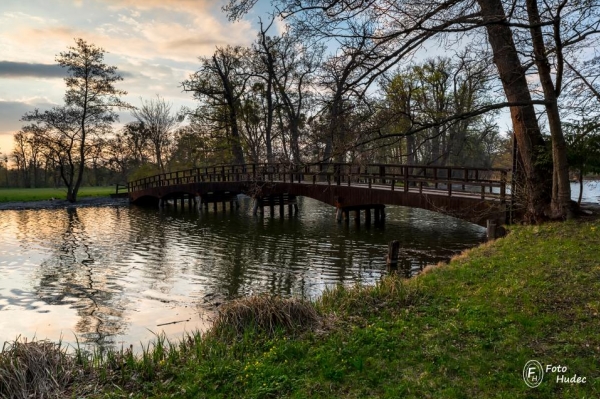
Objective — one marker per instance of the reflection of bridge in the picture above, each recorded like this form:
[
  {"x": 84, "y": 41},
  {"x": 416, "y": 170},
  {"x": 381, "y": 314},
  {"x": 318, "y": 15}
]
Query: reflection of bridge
[{"x": 472, "y": 194}]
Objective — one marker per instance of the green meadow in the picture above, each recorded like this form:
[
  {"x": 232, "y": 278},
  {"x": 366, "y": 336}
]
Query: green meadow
[{"x": 37, "y": 194}]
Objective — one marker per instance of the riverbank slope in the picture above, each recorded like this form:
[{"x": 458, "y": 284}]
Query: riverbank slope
[{"x": 462, "y": 330}]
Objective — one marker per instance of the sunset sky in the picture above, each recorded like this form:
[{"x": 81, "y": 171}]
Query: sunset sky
[{"x": 154, "y": 43}]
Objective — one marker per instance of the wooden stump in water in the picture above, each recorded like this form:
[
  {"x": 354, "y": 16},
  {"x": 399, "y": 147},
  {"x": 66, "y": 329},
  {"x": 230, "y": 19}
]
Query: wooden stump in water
[{"x": 392, "y": 256}]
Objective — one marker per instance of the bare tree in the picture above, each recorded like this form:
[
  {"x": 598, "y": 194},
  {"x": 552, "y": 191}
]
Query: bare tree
[
  {"x": 66, "y": 132},
  {"x": 219, "y": 86},
  {"x": 157, "y": 119}
]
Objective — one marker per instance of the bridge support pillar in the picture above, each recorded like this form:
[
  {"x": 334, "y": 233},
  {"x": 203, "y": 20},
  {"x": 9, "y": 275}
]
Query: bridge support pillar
[
  {"x": 368, "y": 216},
  {"x": 255, "y": 207},
  {"x": 357, "y": 217},
  {"x": 338, "y": 215}
]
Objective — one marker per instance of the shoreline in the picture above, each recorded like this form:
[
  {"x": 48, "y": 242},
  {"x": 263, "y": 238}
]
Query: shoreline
[{"x": 62, "y": 204}]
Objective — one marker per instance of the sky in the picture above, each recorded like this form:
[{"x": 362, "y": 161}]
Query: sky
[{"x": 155, "y": 44}]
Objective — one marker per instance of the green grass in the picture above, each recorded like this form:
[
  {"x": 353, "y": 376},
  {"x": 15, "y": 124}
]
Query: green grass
[
  {"x": 36, "y": 194},
  {"x": 464, "y": 330}
]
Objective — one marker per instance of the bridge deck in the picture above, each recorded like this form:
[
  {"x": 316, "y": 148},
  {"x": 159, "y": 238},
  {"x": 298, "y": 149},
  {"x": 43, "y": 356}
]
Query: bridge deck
[{"x": 468, "y": 193}]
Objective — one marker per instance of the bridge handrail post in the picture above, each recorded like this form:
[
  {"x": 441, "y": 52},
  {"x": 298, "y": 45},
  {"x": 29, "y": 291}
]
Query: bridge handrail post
[
  {"x": 503, "y": 187},
  {"x": 449, "y": 181}
]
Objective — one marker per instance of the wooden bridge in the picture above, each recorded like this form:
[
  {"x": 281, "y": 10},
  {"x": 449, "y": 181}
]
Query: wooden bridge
[{"x": 473, "y": 194}]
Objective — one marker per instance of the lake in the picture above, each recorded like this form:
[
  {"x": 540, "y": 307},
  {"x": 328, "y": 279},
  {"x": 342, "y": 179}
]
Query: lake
[{"x": 114, "y": 275}]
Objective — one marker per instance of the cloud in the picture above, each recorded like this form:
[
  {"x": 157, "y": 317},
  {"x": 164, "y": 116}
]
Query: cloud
[
  {"x": 25, "y": 69},
  {"x": 12, "y": 111}
]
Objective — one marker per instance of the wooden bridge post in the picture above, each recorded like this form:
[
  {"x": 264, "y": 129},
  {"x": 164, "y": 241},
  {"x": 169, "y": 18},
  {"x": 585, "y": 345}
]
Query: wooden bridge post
[
  {"x": 357, "y": 217},
  {"x": 392, "y": 255},
  {"x": 368, "y": 216},
  {"x": 376, "y": 212},
  {"x": 449, "y": 182},
  {"x": 346, "y": 216},
  {"x": 503, "y": 187},
  {"x": 281, "y": 206},
  {"x": 215, "y": 206}
]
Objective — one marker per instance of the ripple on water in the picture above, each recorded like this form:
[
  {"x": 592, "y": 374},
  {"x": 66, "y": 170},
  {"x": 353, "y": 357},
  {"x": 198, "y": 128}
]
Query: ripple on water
[{"x": 110, "y": 275}]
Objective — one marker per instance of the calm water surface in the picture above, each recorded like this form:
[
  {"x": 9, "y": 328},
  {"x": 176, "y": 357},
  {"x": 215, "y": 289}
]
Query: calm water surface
[{"x": 115, "y": 275}]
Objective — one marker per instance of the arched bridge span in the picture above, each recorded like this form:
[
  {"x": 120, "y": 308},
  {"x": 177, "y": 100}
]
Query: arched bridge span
[{"x": 472, "y": 194}]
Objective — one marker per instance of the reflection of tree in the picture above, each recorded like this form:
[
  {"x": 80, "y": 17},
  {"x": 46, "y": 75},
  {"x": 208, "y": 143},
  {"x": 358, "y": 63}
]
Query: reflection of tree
[{"x": 71, "y": 276}]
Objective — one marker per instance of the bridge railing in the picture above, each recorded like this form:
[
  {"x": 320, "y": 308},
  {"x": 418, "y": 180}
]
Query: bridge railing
[{"x": 484, "y": 182}]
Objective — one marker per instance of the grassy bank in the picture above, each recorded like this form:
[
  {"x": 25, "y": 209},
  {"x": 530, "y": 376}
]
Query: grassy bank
[
  {"x": 464, "y": 330},
  {"x": 37, "y": 194}
]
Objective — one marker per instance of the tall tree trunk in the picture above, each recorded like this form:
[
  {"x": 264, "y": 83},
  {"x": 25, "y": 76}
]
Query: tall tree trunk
[
  {"x": 538, "y": 178},
  {"x": 580, "y": 187},
  {"x": 238, "y": 152},
  {"x": 561, "y": 191},
  {"x": 269, "y": 126}
]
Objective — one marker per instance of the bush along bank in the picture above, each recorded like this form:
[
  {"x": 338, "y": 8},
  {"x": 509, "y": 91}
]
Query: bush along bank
[{"x": 468, "y": 329}]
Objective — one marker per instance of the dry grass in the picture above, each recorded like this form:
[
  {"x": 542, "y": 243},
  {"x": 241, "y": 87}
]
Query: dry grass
[
  {"x": 37, "y": 369},
  {"x": 265, "y": 314}
]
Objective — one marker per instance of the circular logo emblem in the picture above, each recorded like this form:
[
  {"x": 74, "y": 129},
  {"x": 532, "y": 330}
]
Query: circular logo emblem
[{"x": 533, "y": 373}]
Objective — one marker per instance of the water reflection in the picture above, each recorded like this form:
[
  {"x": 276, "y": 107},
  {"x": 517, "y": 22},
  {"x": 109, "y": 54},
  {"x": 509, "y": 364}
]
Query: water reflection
[
  {"x": 112, "y": 275},
  {"x": 74, "y": 273}
]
